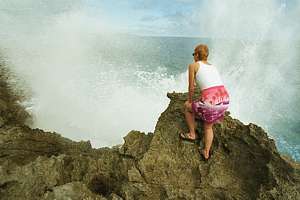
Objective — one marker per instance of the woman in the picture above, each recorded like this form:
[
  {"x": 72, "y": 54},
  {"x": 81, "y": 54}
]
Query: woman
[{"x": 212, "y": 104}]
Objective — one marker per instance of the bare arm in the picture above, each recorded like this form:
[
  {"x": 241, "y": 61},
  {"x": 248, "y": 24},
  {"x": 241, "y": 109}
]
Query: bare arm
[{"x": 191, "y": 82}]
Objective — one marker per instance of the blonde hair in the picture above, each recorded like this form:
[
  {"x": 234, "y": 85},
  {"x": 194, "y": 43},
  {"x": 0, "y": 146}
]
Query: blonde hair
[{"x": 202, "y": 51}]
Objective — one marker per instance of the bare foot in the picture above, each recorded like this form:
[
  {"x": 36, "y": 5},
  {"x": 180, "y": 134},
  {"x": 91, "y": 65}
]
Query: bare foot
[{"x": 205, "y": 153}]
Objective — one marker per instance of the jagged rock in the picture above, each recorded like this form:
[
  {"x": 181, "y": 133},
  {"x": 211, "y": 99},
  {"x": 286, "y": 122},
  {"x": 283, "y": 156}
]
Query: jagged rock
[
  {"x": 21, "y": 144},
  {"x": 245, "y": 164},
  {"x": 136, "y": 144}
]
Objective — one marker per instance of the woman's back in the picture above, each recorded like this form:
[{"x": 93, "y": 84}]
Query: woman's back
[
  {"x": 208, "y": 76},
  {"x": 213, "y": 102}
]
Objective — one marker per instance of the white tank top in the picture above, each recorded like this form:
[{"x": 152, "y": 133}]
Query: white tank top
[{"x": 208, "y": 76}]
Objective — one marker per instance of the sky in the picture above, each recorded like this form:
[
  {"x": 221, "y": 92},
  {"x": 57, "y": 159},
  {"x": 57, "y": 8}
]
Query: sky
[
  {"x": 191, "y": 17},
  {"x": 161, "y": 17},
  {"x": 152, "y": 17}
]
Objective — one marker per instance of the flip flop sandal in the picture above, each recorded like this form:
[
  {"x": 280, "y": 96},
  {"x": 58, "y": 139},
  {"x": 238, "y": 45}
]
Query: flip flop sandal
[{"x": 186, "y": 136}]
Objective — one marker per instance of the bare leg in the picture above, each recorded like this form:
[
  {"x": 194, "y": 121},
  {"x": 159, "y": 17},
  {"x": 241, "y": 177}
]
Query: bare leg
[
  {"x": 190, "y": 119},
  {"x": 208, "y": 138}
]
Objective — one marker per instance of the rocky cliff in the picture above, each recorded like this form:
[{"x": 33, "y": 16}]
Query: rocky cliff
[{"x": 245, "y": 164}]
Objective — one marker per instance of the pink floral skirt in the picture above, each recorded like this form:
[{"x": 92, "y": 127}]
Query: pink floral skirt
[{"x": 212, "y": 105}]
